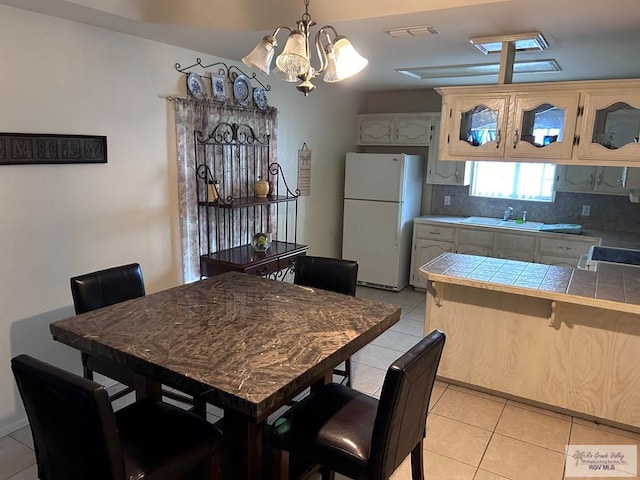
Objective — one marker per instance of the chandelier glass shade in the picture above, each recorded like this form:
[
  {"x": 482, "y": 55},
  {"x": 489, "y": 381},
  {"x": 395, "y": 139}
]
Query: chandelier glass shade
[{"x": 337, "y": 57}]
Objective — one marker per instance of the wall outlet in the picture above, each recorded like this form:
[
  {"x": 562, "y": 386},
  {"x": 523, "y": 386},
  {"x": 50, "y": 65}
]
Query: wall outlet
[
  {"x": 447, "y": 199},
  {"x": 586, "y": 210}
]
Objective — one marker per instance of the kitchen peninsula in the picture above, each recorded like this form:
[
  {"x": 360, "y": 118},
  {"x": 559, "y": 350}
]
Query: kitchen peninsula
[{"x": 551, "y": 335}]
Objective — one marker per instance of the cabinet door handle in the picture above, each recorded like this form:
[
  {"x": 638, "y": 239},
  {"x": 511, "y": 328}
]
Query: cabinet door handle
[
  {"x": 434, "y": 233},
  {"x": 515, "y": 138},
  {"x": 564, "y": 247},
  {"x": 598, "y": 179},
  {"x": 498, "y": 138}
]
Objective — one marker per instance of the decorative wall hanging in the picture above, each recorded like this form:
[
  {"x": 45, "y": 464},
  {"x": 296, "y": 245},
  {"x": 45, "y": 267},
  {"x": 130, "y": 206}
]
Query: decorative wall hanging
[
  {"x": 33, "y": 149},
  {"x": 304, "y": 170}
]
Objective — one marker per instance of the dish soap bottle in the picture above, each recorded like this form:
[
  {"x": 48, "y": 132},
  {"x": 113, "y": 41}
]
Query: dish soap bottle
[{"x": 261, "y": 188}]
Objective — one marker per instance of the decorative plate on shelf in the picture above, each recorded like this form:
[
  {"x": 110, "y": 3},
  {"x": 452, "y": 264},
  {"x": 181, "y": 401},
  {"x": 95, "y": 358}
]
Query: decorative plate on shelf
[
  {"x": 195, "y": 86},
  {"x": 260, "y": 98},
  {"x": 219, "y": 86},
  {"x": 242, "y": 90}
]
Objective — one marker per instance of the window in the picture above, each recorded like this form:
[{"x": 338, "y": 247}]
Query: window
[{"x": 519, "y": 181}]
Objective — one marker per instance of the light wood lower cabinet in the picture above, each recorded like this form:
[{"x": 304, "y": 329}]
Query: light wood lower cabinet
[
  {"x": 573, "y": 357},
  {"x": 425, "y": 250},
  {"x": 475, "y": 242},
  {"x": 431, "y": 239}
]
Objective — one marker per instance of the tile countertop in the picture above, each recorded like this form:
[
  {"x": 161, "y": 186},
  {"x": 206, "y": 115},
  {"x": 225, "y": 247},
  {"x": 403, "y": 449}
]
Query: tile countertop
[
  {"x": 609, "y": 239},
  {"x": 611, "y": 287}
]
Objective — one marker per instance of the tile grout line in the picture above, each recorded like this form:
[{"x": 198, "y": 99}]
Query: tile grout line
[{"x": 493, "y": 432}]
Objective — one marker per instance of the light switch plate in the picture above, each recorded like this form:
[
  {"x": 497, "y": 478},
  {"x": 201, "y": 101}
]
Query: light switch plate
[
  {"x": 586, "y": 210},
  {"x": 447, "y": 199}
]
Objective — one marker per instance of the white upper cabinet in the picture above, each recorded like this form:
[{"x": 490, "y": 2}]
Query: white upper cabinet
[
  {"x": 543, "y": 125},
  {"x": 611, "y": 127},
  {"x": 396, "y": 128},
  {"x": 592, "y": 122},
  {"x": 515, "y": 126},
  {"x": 445, "y": 173},
  {"x": 476, "y": 126},
  {"x": 589, "y": 179}
]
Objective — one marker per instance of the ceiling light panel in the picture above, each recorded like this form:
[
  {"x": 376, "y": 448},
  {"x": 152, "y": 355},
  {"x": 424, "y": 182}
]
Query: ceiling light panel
[
  {"x": 523, "y": 42},
  {"x": 480, "y": 69}
]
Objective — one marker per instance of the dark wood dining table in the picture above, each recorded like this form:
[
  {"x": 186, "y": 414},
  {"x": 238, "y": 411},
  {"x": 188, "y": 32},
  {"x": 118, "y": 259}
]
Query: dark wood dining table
[{"x": 245, "y": 343}]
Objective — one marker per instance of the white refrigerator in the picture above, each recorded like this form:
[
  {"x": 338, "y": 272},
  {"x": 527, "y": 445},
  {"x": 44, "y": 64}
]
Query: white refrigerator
[{"x": 382, "y": 196}]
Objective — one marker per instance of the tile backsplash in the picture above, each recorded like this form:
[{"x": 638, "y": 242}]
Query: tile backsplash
[{"x": 608, "y": 212}]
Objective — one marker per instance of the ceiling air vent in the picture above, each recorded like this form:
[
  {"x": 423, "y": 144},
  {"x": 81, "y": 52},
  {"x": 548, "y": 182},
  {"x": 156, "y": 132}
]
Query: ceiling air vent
[{"x": 418, "y": 31}]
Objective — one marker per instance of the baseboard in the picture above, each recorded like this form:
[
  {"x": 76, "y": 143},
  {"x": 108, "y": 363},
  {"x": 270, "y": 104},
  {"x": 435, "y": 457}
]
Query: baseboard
[{"x": 13, "y": 427}]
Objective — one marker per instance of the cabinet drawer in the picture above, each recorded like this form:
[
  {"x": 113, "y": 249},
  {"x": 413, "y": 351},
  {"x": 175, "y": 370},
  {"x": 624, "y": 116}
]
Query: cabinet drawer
[
  {"x": 510, "y": 241},
  {"x": 435, "y": 232},
  {"x": 558, "y": 260},
  {"x": 566, "y": 247},
  {"x": 481, "y": 238},
  {"x": 521, "y": 255}
]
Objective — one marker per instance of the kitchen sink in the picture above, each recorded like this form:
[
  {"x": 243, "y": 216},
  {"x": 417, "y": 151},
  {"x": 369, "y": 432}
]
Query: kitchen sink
[
  {"x": 625, "y": 256},
  {"x": 498, "y": 222}
]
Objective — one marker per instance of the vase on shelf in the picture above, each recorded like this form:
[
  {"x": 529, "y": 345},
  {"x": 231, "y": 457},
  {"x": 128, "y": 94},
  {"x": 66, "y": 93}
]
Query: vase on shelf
[
  {"x": 261, "y": 242},
  {"x": 212, "y": 190},
  {"x": 261, "y": 188}
]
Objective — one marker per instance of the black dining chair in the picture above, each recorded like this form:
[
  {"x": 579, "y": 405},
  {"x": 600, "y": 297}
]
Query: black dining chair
[
  {"x": 102, "y": 288},
  {"x": 77, "y": 435},
  {"x": 356, "y": 435},
  {"x": 334, "y": 274}
]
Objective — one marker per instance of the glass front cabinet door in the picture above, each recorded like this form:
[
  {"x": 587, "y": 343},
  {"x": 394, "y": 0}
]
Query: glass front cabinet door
[
  {"x": 543, "y": 126},
  {"x": 611, "y": 127},
  {"x": 477, "y": 126}
]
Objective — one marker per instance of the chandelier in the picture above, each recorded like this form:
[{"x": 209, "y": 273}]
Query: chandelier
[{"x": 338, "y": 59}]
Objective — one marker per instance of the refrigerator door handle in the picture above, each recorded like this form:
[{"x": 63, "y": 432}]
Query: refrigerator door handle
[{"x": 398, "y": 227}]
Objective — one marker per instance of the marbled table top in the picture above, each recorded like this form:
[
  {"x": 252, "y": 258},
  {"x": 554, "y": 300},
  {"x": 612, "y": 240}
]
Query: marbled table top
[
  {"x": 614, "y": 287},
  {"x": 244, "y": 342}
]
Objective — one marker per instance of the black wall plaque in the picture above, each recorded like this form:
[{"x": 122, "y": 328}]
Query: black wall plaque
[{"x": 33, "y": 148}]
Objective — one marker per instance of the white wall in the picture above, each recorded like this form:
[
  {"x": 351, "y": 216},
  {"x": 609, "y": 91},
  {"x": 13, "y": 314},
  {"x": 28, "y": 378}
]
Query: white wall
[{"x": 61, "y": 220}]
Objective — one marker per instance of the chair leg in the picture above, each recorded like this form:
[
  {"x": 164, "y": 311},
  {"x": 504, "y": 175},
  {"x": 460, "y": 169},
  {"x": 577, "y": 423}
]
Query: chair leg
[
  {"x": 279, "y": 464},
  {"x": 347, "y": 371},
  {"x": 86, "y": 373},
  {"x": 417, "y": 464},
  {"x": 327, "y": 474},
  {"x": 199, "y": 406},
  {"x": 212, "y": 468}
]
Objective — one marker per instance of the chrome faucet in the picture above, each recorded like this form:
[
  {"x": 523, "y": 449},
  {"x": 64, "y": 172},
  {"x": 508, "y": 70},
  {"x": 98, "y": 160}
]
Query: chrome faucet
[
  {"x": 524, "y": 216},
  {"x": 507, "y": 213}
]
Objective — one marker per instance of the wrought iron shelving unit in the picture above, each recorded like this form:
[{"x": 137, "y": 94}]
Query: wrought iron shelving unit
[{"x": 228, "y": 162}]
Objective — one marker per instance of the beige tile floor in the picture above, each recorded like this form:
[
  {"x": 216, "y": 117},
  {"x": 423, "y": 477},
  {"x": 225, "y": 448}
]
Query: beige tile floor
[{"x": 470, "y": 435}]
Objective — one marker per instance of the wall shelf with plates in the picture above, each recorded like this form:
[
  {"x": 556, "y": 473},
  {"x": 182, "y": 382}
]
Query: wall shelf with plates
[{"x": 220, "y": 82}]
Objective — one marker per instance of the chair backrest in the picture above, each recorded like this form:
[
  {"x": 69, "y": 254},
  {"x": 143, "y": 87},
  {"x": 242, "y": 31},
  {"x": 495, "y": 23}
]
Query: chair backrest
[
  {"x": 334, "y": 274},
  {"x": 106, "y": 287},
  {"x": 404, "y": 401},
  {"x": 73, "y": 425}
]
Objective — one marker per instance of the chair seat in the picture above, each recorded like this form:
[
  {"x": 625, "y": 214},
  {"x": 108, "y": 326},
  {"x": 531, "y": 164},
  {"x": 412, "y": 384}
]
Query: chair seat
[
  {"x": 152, "y": 432},
  {"x": 333, "y": 426}
]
